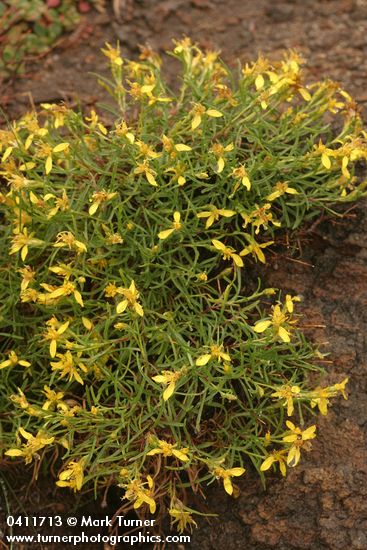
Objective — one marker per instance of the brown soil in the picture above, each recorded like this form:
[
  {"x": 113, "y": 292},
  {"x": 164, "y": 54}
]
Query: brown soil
[{"x": 322, "y": 504}]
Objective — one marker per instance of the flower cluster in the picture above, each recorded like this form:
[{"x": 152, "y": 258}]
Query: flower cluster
[{"x": 132, "y": 350}]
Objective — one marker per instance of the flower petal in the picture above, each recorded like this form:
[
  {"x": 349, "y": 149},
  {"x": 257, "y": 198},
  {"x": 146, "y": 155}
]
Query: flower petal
[
  {"x": 325, "y": 161},
  {"x": 214, "y": 113},
  {"x": 164, "y": 234},
  {"x": 182, "y": 147},
  {"x": 121, "y": 306},
  {"x": 294, "y": 456},
  {"x": 203, "y": 360},
  {"x": 168, "y": 392},
  {"x": 284, "y": 334},
  {"x": 261, "y": 326},
  {"x": 267, "y": 463},
  {"x": 228, "y": 487},
  {"x": 309, "y": 433}
]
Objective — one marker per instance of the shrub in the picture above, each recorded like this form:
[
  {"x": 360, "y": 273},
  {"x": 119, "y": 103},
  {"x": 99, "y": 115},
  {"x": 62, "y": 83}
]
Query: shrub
[{"x": 138, "y": 349}]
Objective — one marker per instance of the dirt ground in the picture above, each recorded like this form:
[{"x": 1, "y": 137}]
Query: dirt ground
[{"x": 322, "y": 504}]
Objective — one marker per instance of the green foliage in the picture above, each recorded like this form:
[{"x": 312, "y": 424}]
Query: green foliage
[
  {"x": 31, "y": 28},
  {"x": 137, "y": 348}
]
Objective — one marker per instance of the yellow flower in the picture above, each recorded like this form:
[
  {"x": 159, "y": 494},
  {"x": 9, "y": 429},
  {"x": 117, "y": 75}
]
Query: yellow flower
[
  {"x": 135, "y": 69},
  {"x": 183, "y": 46},
  {"x": 145, "y": 91},
  {"x": 68, "y": 366},
  {"x": 216, "y": 352},
  {"x": 169, "y": 379},
  {"x": 34, "y": 444},
  {"x": 254, "y": 248},
  {"x": 53, "y": 399},
  {"x": 62, "y": 270},
  {"x": 22, "y": 402},
  {"x": 176, "y": 226},
  {"x": 120, "y": 326},
  {"x": 202, "y": 276},
  {"x": 320, "y": 396},
  {"x": 226, "y": 475},
  {"x": 140, "y": 92},
  {"x": 289, "y": 301},
  {"x": 113, "y": 238},
  {"x": 287, "y": 393},
  {"x": 36, "y": 201},
  {"x": 73, "y": 476},
  {"x": 113, "y": 54},
  {"x": 30, "y": 122},
  {"x": 66, "y": 238},
  {"x": 275, "y": 456},
  {"x": 178, "y": 170},
  {"x": 94, "y": 122},
  {"x": 169, "y": 449},
  {"x": 21, "y": 241},
  {"x": 228, "y": 253},
  {"x": 124, "y": 473},
  {"x": 299, "y": 439},
  {"x": 214, "y": 214},
  {"x": 122, "y": 130},
  {"x": 173, "y": 148},
  {"x": 240, "y": 173},
  {"x": 257, "y": 67},
  {"x": 45, "y": 150},
  {"x": 66, "y": 289},
  {"x": 259, "y": 217},
  {"x": 61, "y": 203},
  {"x": 181, "y": 515},
  {"x": 111, "y": 290},
  {"x": 29, "y": 295},
  {"x": 28, "y": 275},
  {"x": 16, "y": 183},
  {"x": 219, "y": 151},
  {"x": 146, "y": 150},
  {"x": 14, "y": 360},
  {"x": 279, "y": 318},
  {"x": 137, "y": 491},
  {"x": 199, "y": 111},
  {"x": 68, "y": 413},
  {"x": 131, "y": 300},
  {"x": 98, "y": 198},
  {"x": 340, "y": 387},
  {"x": 224, "y": 92},
  {"x": 270, "y": 291},
  {"x": 59, "y": 112},
  {"x": 144, "y": 168},
  {"x": 326, "y": 154},
  {"x": 279, "y": 189},
  {"x": 54, "y": 333}
]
